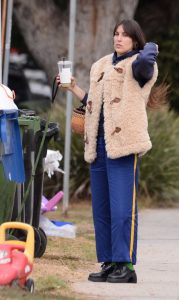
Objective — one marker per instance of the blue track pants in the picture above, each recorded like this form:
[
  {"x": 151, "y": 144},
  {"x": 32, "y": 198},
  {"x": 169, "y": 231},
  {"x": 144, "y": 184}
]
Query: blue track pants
[{"x": 114, "y": 189}]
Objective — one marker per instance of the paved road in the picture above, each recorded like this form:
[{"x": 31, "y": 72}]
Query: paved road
[{"x": 158, "y": 262}]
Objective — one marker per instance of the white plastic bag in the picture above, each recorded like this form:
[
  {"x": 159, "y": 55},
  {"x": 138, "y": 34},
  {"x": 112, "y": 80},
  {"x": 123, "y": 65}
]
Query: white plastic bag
[
  {"x": 65, "y": 231},
  {"x": 7, "y": 98},
  {"x": 52, "y": 164}
]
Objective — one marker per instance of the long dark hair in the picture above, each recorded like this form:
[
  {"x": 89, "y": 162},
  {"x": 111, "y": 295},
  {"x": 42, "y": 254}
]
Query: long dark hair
[
  {"x": 134, "y": 31},
  {"x": 159, "y": 94}
]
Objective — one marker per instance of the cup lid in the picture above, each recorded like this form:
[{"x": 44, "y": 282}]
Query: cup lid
[{"x": 64, "y": 62}]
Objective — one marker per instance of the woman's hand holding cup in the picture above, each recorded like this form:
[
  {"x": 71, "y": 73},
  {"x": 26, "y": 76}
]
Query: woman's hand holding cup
[{"x": 70, "y": 86}]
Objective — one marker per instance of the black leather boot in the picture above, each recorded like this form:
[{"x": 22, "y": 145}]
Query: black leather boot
[
  {"x": 102, "y": 276},
  {"x": 122, "y": 274}
]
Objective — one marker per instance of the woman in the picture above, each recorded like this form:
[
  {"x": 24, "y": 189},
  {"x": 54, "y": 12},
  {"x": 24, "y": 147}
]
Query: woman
[{"x": 115, "y": 136}]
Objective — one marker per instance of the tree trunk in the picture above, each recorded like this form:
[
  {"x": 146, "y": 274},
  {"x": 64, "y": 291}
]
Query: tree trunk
[{"x": 44, "y": 27}]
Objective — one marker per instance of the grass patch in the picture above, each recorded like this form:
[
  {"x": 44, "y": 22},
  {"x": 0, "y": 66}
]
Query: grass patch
[
  {"x": 50, "y": 283},
  {"x": 12, "y": 293},
  {"x": 65, "y": 260}
]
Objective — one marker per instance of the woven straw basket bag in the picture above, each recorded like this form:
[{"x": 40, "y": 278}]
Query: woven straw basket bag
[{"x": 78, "y": 120}]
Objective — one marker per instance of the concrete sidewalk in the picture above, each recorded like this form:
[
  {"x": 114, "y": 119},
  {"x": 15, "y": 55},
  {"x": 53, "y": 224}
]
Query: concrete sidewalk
[{"x": 158, "y": 262}]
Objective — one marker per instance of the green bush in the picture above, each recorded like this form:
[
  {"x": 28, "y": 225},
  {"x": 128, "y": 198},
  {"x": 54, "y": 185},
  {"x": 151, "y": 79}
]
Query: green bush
[
  {"x": 159, "y": 168},
  {"x": 168, "y": 62},
  {"x": 79, "y": 170}
]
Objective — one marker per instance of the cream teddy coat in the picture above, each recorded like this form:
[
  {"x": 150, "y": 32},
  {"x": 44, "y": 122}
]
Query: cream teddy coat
[{"x": 125, "y": 117}]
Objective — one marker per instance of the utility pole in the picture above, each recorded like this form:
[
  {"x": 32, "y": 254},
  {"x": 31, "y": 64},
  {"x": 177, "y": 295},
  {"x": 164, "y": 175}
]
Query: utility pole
[
  {"x": 7, "y": 40},
  {"x": 72, "y": 21}
]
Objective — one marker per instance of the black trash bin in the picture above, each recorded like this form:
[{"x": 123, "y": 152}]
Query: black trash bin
[
  {"x": 52, "y": 132},
  {"x": 32, "y": 136}
]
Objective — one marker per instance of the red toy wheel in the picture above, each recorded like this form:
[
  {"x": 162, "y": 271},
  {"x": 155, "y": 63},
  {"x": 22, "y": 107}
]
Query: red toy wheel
[{"x": 30, "y": 285}]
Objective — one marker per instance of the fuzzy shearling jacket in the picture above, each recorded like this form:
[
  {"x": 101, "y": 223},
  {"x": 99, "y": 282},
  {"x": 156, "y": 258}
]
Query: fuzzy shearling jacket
[{"x": 125, "y": 117}]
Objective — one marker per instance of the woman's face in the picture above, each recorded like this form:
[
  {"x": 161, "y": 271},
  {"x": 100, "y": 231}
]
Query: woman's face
[{"x": 122, "y": 42}]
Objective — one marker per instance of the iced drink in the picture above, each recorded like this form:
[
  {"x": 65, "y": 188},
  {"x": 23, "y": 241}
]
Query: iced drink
[{"x": 64, "y": 67}]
